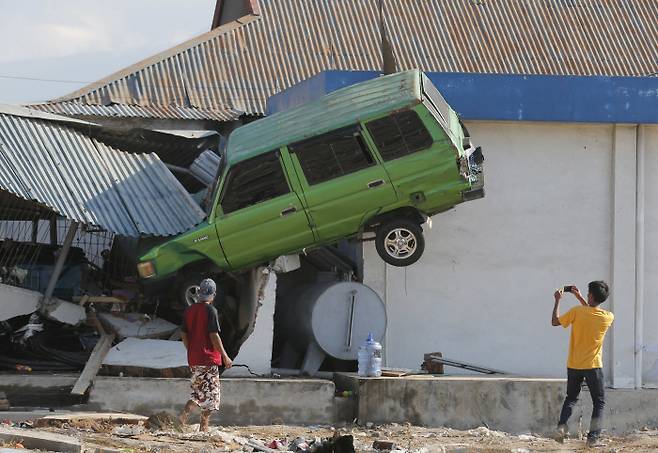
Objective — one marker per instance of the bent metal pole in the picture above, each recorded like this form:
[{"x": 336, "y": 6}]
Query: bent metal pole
[{"x": 59, "y": 264}]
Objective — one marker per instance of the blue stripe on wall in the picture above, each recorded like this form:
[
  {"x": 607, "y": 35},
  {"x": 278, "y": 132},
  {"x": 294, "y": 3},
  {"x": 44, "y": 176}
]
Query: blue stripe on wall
[{"x": 513, "y": 97}]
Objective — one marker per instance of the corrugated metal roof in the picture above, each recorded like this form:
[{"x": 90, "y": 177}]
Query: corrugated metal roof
[
  {"x": 338, "y": 109},
  {"x": 137, "y": 111},
  {"x": 239, "y": 65},
  {"x": 46, "y": 161}
]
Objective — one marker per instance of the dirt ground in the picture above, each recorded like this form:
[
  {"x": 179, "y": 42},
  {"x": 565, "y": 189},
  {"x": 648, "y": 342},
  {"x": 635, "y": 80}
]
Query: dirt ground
[{"x": 137, "y": 438}]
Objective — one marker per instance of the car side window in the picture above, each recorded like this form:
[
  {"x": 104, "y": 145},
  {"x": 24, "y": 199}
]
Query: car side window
[
  {"x": 399, "y": 134},
  {"x": 254, "y": 181},
  {"x": 331, "y": 155}
]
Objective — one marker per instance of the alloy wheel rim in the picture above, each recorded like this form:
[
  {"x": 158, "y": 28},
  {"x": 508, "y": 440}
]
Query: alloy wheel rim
[
  {"x": 192, "y": 294},
  {"x": 400, "y": 243}
]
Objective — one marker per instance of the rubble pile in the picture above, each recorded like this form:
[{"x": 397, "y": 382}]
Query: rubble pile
[
  {"x": 96, "y": 294},
  {"x": 162, "y": 433}
]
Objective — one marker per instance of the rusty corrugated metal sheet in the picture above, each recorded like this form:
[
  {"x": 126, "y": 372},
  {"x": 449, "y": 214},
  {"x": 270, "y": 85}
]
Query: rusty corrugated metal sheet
[
  {"x": 236, "y": 67},
  {"x": 78, "y": 109},
  {"x": 549, "y": 37},
  {"x": 46, "y": 161}
]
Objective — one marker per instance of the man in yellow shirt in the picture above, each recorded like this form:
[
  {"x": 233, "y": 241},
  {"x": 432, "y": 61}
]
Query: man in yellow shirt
[{"x": 589, "y": 323}]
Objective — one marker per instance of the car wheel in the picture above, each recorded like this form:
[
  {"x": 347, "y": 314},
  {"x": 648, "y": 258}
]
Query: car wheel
[
  {"x": 188, "y": 290},
  {"x": 400, "y": 242}
]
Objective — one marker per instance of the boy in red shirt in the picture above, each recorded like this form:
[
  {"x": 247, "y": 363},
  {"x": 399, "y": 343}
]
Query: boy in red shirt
[{"x": 205, "y": 353}]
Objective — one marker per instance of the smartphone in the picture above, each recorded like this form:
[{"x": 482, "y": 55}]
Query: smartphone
[{"x": 567, "y": 289}]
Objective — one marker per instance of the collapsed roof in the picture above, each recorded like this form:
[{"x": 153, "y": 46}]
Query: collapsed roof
[{"x": 50, "y": 160}]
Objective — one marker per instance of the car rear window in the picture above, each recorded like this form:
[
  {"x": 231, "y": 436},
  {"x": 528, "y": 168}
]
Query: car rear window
[
  {"x": 254, "y": 181},
  {"x": 399, "y": 134},
  {"x": 332, "y": 155}
]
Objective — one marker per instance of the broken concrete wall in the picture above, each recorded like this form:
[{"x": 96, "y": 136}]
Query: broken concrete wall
[{"x": 256, "y": 351}]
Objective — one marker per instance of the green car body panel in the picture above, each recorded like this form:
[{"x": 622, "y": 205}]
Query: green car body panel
[{"x": 310, "y": 214}]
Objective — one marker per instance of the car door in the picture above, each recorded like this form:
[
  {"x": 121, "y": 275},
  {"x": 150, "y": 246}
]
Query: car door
[
  {"x": 259, "y": 216},
  {"x": 416, "y": 161},
  {"x": 343, "y": 183}
]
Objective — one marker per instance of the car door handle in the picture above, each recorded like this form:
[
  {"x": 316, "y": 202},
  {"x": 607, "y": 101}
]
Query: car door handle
[
  {"x": 288, "y": 211},
  {"x": 377, "y": 183}
]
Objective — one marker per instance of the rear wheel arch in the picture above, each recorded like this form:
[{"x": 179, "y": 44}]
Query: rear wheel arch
[{"x": 407, "y": 212}]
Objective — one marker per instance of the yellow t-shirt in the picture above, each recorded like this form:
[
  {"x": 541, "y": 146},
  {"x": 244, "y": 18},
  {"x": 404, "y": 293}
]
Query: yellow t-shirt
[{"x": 588, "y": 328}]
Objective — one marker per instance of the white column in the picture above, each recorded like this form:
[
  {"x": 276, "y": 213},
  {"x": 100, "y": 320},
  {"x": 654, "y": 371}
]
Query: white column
[{"x": 623, "y": 282}]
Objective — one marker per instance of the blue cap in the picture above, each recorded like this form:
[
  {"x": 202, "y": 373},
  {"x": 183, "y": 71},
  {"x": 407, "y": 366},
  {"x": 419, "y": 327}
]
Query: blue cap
[{"x": 207, "y": 290}]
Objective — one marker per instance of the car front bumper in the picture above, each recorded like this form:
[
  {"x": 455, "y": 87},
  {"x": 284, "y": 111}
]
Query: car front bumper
[{"x": 471, "y": 167}]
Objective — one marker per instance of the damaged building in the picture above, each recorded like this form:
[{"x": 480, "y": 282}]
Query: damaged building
[{"x": 570, "y": 136}]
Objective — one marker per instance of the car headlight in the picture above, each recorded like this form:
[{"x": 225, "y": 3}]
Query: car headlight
[{"x": 146, "y": 269}]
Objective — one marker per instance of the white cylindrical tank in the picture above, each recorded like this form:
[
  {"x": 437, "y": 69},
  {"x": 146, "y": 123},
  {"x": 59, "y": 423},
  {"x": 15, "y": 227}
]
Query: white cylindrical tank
[{"x": 338, "y": 316}]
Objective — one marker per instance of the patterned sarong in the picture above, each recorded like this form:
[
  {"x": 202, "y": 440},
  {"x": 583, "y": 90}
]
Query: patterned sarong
[{"x": 205, "y": 387}]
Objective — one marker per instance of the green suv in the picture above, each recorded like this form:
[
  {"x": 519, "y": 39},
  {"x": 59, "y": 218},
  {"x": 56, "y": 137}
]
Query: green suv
[{"x": 379, "y": 156}]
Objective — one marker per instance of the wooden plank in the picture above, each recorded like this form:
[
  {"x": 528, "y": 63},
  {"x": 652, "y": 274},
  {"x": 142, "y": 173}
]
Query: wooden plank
[
  {"x": 93, "y": 364},
  {"x": 396, "y": 372}
]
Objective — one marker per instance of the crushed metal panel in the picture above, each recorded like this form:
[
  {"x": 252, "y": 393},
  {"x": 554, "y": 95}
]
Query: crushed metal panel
[{"x": 87, "y": 181}]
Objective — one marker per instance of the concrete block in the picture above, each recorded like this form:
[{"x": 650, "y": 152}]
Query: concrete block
[
  {"x": 17, "y": 302},
  {"x": 146, "y": 353},
  {"x": 41, "y": 440},
  {"x": 134, "y": 325},
  {"x": 244, "y": 401},
  {"x": 511, "y": 404},
  {"x": 77, "y": 417},
  {"x": 65, "y": 312}
]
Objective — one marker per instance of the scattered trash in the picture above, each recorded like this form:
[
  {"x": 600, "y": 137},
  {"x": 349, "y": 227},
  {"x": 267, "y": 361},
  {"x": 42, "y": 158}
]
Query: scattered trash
[
  {"x": 276, "y": 445},
  {"x": 527, "y": 437},
  {"x": 128, "y": 430},
  {"x": 485, "y": 432},
  {"x": 384, "y": 445},
  {"x": 162, "y": 421}
]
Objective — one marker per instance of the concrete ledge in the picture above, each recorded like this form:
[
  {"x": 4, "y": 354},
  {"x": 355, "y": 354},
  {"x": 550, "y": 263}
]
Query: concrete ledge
[
  {"x": 41, "y": 440},
  {"x": 244, "y": 401},
  {"x": 39, "y": 389},
  {"x": 508, "y": 404}
]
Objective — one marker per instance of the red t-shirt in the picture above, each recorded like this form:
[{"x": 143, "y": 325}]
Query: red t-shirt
[{"x": 199, "y": 320}]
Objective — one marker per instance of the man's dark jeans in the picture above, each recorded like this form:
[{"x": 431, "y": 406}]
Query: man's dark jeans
[{"x": 594, "y": 379}]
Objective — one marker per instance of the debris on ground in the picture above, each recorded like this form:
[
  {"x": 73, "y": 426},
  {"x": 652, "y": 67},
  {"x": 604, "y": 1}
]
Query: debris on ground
[
  {"x": 4, "y": 402},
  {"x": 162, "y": 432},
  {"x": 162, "y": 421}
]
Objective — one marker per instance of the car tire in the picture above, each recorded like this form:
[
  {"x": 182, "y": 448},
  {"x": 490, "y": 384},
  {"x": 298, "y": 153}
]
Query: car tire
[
  {"x": 400, "y": 242},
  {"x": 187, "y": 288}
]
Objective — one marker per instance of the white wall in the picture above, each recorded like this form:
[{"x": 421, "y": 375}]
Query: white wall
[{"x": 482, "y": 293}]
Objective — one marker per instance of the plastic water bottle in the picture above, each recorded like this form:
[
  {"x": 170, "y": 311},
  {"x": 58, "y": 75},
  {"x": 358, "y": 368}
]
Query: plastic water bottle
[
  {"x": 374, "y": 350},
  {"x": 363, "y": 357}
]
